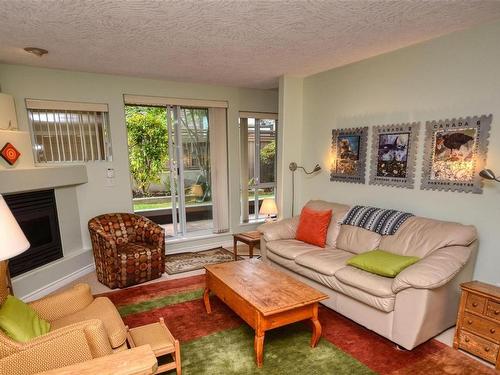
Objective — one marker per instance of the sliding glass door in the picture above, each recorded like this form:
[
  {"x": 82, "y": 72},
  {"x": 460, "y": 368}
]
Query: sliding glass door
[{"x": 171, "y": 152}]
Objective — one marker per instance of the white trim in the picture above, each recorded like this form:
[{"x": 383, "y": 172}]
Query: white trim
[
  {"x": 163, "y": 101},
  {"x": 55, "y": 285},
  {"x": 259, "y": 115},
  {"x": 65, "y": 106}
]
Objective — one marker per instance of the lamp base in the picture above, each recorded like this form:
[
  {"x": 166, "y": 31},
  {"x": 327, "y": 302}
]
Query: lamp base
[{"x": 5, "y": 282}]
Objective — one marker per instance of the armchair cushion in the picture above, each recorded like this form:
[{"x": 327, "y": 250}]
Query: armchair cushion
[
  {"x": 56, "y": 306},
  {"x": 101, "y": 308},
  {"x": 434, "y": 270},
  {"x": 20, "y": 322}
]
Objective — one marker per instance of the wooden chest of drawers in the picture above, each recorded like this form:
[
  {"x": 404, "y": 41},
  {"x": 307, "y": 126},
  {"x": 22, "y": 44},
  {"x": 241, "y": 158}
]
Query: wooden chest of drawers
[{"x": 478, "y": 322}]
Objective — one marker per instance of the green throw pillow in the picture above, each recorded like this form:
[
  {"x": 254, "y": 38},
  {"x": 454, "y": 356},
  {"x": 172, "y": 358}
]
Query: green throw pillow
[
  {"x": 382, "y": 262},
  {"x": 20, "y": 322}
]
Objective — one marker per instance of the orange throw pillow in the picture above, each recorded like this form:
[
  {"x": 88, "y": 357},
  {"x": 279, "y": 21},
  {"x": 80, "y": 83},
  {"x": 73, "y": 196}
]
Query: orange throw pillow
[{"x": 313, "y": 226}]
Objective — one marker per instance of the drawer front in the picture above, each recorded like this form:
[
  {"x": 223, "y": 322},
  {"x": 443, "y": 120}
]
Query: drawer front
[
  {"x": 483, "y": 326},
  {"x": 493, "y": 310},
  {"x": 478, "y": 346},
  {"x": 475, "y": 303}
]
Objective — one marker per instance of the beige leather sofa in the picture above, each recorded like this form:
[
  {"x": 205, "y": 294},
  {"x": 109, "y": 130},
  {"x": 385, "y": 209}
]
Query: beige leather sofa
[{"x": 417, "y": 304}]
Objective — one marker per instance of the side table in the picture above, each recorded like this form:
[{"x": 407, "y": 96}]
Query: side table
[
  {"x": 252, "y": 239},
  {"x": 478, "y": 322}
]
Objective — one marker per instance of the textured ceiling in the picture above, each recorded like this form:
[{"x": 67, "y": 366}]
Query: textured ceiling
[{"x": 235, "y": 43}]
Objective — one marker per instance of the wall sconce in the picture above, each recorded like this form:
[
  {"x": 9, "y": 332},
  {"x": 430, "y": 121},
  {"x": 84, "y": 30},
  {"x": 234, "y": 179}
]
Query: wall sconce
[
  {"x": 293, "y": 167},
  {"x": 488, "y": 174}
]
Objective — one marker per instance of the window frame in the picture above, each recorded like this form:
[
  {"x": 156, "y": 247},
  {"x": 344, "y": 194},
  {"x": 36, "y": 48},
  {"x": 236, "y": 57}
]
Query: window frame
[{"x": 101, "y": 137}]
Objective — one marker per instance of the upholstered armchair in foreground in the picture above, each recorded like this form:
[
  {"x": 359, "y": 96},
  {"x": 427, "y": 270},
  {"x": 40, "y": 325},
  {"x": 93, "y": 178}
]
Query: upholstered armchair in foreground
[
  {"x": 128, "y": 249},
  {"x": 81, "y": 328}
]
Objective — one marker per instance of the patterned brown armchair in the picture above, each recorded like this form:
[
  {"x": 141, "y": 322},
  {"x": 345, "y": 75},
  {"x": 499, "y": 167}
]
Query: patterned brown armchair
[{"x": 128, "y": 249}]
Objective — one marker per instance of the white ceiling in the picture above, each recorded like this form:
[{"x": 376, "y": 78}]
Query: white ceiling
[{"x": 228, "y": 42}]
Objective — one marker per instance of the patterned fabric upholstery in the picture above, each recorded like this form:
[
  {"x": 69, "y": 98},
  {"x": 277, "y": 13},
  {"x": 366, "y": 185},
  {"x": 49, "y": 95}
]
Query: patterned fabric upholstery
[
  {"x": 68, "y": 342},
  {"x": 128, "y": 249}
]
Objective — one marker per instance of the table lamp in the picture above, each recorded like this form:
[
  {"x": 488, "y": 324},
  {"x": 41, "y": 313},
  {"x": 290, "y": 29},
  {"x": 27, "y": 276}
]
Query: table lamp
[
  {"x": 268, "y": 208},
  {"x": 12, "y": 240}
]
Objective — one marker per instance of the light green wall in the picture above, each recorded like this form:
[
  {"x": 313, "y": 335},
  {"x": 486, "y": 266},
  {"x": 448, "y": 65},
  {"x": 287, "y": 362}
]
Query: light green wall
[
  {"x": 455, "y": 75},
  {"x": 94, "y": 197}
]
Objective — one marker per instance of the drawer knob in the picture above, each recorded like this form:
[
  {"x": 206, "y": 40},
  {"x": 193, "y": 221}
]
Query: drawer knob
[
  {"x": 469, "y": 321},
  {"x": 467, "y": 339},
  {"x": 492, "y": 330},
  {"x": 474, "y": 304},
  {"x": 486, "y": 349}
]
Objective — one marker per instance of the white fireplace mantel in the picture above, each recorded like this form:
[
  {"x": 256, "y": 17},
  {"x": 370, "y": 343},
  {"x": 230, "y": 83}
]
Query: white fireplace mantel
[{"x": 17, "y": 180}]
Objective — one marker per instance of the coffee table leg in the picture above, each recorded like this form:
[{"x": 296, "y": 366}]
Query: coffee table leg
[
  {"x": 250, "y": 247},
  {"x": 316, "y": 327},
  {"x": 235, "y": 249},
  {"x": 206, "y": 300},
  {"x": 259, "y": 347}
]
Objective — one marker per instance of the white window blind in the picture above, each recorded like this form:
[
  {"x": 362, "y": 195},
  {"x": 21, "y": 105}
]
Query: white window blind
[{"x": 69, "y": 132}]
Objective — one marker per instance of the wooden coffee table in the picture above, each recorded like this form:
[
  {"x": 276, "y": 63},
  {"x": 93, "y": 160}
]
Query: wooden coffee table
[{"x": 264, "y": 297}]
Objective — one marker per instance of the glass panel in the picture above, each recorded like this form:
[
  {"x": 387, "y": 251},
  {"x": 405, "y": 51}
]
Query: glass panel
[
  {"x": 195, "y": 138},
  {"x": 267, "y": 150},
  {"x": 147, "y": 135}
]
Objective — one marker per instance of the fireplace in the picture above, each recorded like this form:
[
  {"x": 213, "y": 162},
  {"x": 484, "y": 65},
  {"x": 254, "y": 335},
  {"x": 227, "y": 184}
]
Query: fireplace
[{"x": 36, "y": 213}]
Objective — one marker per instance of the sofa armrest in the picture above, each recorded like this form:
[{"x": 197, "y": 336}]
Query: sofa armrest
[
  {"x": 61, "y": 304},
  {"x": 433, "y": 270},
  {"x": 279, "y": 230},
  {"x": 62, "y": 347}
]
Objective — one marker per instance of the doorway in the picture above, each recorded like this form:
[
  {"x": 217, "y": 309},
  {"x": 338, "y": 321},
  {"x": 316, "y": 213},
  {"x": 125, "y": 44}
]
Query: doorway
[{"x": 169, "y": 156}]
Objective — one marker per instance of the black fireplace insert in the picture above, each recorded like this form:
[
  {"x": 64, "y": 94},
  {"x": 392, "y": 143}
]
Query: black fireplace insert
[{"x": 36, "y": 213}]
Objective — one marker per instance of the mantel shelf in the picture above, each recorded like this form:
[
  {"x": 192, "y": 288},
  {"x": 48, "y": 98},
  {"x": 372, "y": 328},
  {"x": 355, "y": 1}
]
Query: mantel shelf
[{"x": 17, "y": 180}]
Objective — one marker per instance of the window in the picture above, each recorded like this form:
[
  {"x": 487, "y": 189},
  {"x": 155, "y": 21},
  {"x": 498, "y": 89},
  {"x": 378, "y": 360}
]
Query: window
[
  {"x": 258, "y": 133},
  {"x": 69, "y": 132}
]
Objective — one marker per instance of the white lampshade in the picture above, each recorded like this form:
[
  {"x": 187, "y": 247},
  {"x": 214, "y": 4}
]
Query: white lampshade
[
  {"x": 12, "y": 239},
  {"x": 268, "y": 207}
]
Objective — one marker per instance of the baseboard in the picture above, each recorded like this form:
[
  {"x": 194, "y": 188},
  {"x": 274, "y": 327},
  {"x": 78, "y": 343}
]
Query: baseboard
[{"x": 57, "y": 284}]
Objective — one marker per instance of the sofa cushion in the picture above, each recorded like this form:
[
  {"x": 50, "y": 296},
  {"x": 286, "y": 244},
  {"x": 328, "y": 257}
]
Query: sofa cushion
[
  {"x": 103, "y": 309},
  {"x": 326, "y": 262},
  {"x": 313, "y": 226},
  {"x": 382, "y": 262},
  {"x": 290, "y": 249},
  {"x": 420, "y": 236},
  {"x": 385, "y": 304},
  {"x": 338, "y": 213},
  {"x": 357, "y": 240},
  {"x": 379, "y": 286}
]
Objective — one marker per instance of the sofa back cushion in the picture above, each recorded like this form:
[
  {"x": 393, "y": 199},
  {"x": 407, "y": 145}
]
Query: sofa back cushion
[
  {"x": 338, "y": 213},
  {"x": 357, "y": 240},
  {"x": 420, "y": 236}
]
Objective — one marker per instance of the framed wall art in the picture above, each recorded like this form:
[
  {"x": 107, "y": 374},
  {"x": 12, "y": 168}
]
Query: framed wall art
[
  {"x": 349, "y": 155},
  {"x": 394, "y": 153},
  {"x": 455, "y": 152}
]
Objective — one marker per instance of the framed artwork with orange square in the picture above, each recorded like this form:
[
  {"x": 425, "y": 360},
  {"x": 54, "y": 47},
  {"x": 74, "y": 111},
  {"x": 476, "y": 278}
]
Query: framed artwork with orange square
[{"x": 10, "y": 153}]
